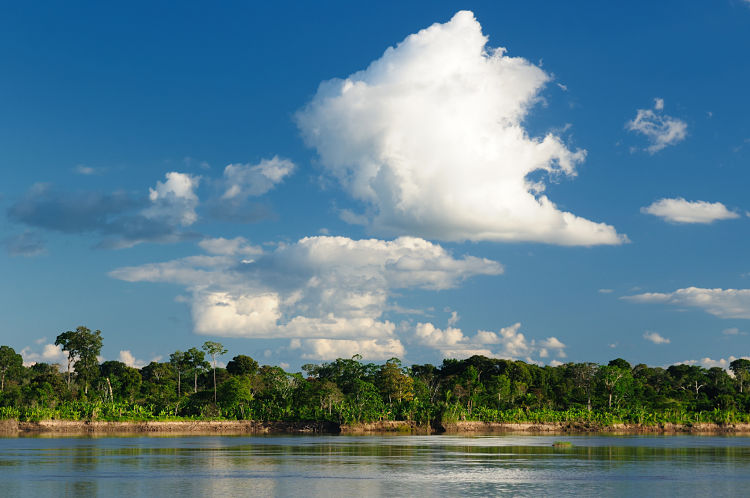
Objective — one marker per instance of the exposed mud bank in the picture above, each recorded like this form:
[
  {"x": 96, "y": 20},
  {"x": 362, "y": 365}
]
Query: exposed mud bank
[
  {"x": 385, "y": 427},
  {"x": 235, "y": 427},
  {"x": 176, "y": 427},
  {"x": 471, "y": 427}
]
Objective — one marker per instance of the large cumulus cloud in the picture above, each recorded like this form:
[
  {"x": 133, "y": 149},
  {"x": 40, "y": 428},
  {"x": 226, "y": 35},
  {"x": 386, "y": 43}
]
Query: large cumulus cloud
[
  {"x": 330, "y": 292},
  {"x": 431, "y": 137}
]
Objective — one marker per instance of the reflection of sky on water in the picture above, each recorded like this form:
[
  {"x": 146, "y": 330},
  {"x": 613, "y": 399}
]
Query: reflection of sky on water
[{"x": 374, "y": 465}]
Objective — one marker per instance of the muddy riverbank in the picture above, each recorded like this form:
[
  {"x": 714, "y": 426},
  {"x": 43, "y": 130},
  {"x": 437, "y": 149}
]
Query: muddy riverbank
[{"x": 10, "y": 427}]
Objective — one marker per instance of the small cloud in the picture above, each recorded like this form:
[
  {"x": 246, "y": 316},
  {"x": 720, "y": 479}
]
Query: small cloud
[
  {"x": 733, "y": 331},
  {"x": 680, "y": 210},
  {"x": 50, "y": 353},
  {"x": 127, "y": 358},
  {"x": 655, "y": 338},
  {"x": 82, "y": 169},
  {"x": 659, "y": 129},
  {"x": 562, "y": 87},
  {"x": 613, "y": 345},
  {"x": 26, "y": 244},
  {"x": 453, "y": 319},
  {"x": 605, "y": 291}
]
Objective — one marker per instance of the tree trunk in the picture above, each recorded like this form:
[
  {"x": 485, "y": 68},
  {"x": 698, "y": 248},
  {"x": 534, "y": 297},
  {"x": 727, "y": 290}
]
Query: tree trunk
[
  {"x": 195, "y": 385},
  {"x": 610, "y": 400},
  {"x": 2, "y": 383},
  {"x": 109, "y": 386},
  {"x": 179, "y": 382},
  {"x": 214, "y": 381}
]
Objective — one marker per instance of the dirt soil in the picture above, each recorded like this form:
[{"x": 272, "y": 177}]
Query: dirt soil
[{"x": 382, "y": 427}]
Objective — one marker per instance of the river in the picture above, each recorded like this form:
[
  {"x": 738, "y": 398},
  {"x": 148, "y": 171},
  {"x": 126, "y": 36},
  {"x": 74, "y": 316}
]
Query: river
[{"x": 359, "y": 466}]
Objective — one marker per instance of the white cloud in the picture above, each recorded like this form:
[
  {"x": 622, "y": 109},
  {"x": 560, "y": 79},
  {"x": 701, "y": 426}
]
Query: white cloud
[
  {"x": 453, "y": 319},
  {"x": 329, "y": 349},
  {"x": 655, "y": 337},
  {"x": 724, "y": 303},
  {"x": 429, "y": 335},
  {"x": 174, "y": 200},
  {"x": 127, "y": 358},
  {"x": 317, "y": 288},
  {"x": 660, "y": 130},
  {"x": 245, "y": 180},
  {"x": 49, "y": 354},
  {"x": 508, "y": 343},
  {"x": 229, "y": 247},
  {"x": 606, "y": 291},
  {"x": 710, "y": 363},
  {"x": 430, "y": 137},
  {"x": 681, "y": 211},
  {"x": 82, "y": 169},
  {"x": 733, "y": 331}
]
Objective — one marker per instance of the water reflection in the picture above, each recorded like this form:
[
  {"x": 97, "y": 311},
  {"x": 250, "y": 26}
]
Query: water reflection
[{"x": 374, "y": 465}]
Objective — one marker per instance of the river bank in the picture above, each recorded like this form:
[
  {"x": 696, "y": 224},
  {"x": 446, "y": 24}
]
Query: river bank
[{"x": 238, "y": 427}]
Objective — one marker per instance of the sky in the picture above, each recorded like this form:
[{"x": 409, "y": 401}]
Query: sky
[{"x": 425, "y": 180}]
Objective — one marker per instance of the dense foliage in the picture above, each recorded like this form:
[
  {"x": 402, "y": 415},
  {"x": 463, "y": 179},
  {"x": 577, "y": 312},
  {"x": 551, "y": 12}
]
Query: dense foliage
[{"x": 351, "y": 391}]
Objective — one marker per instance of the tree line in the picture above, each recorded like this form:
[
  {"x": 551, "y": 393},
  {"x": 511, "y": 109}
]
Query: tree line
[{"x": 191, "y": 385}]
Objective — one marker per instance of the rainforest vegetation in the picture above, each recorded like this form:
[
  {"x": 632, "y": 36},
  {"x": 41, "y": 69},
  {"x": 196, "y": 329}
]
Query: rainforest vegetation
[{"x": 191, "y": 386}]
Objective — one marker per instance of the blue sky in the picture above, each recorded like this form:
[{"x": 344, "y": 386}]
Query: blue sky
[{"x": 307, "y": 182}]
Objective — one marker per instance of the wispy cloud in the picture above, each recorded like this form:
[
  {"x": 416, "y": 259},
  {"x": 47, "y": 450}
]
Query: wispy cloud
[
  {"x": 723, "y": 303},
  {"x": 26, "y": 244},
  {"x": 659, "y": 129},
  {"x": 82, "y": 169}
]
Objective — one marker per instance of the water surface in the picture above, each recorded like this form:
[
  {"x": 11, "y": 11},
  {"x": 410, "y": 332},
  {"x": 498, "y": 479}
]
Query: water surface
[{"x": 375, "y": 466}]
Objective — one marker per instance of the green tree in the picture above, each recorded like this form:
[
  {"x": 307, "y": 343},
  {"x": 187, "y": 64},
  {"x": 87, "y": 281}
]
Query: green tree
[
  {"x": 499, "y": 388},
  {"x": 180, "y": 362},
  {"x": 235, "y": 395},
  {"x": 242, "y": 365},
  {"x": 741, "y": 370},
  {"x": 197, "y": 364},
  {"x": 214, "y": 349},
  {"x": 616, "y": 383},
  {"x": 122, "y": 382},
  {"x": 394, "y": 383},
  {"x": 83, "y": 347},
  {"x": 158, "y": 383},
  {"x": 583, "y": 377},
  {"x": 10, "y": 364}
]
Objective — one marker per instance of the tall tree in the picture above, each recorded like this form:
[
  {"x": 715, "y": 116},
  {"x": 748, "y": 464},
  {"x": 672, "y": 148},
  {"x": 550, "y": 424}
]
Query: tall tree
[
  {"x": 214, "y": 349},
  {"x": 741, "y": 370},
  {"x": 196, "y": 362},
  {"x": 583, "y": 377},
  {"x": 83, "y": 347},
  {"x": 10, "y": 363},
  {"x": 180, "y": 363}
]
